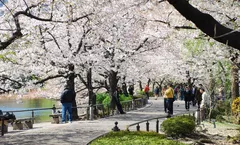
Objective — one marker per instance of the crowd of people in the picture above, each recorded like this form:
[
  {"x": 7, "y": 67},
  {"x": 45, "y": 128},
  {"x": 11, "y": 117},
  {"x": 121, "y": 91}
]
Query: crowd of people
[{"x": 195, "y": 96}]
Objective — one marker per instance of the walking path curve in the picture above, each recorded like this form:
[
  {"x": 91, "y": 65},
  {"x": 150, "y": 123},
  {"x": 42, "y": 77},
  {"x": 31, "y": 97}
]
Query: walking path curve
[{"x": 82, "y": 132}]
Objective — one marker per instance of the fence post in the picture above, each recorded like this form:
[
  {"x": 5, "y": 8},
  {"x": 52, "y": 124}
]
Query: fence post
[
  {"x": 91, "y": 112},
  {"x": 115, "y": 128},
  {"x": 142, "y": 102},
  {"x": 138, "y": 127},
  {"x": 157, "y": 126},
  {"x": 53, "y": 109},
  {"x": 87, "y": 113},
  {"x": 108, "y": 110},
  {"x": 32, "y": 116},
  {"x": 103, "y": 112},
  {"x": 2, "y": 119},
  {"x": 147, "y": 126},
  {"x": 133, "y": 104}
]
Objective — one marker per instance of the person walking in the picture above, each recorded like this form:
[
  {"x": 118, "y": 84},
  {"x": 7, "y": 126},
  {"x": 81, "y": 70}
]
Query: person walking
[
  {"x": 146, "y": 90},
  {"x": 193, "y": 94},
  {"x": 165, "y": 98},
  {"x": 116, "y": 97},
  {"x": 204, "y": 104},
  {"x": 198, "y": 96},
  {"x": 131, "y": 90},
  {"x": 187, "y": 98},
  {"x": 156, "y": 92},
  {"x": 182, "y": 93},
  {"x": 67, "y": 98},
  {"x": 169, "y": 94}
]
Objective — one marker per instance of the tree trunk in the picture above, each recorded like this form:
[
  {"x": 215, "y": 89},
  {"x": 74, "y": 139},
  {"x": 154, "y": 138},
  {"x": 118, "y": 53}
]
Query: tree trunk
[
  {"x": 207, "y": 24},
  {"x": 91, "y": 95},
  {"x": 112, "y": 87},
  {"x": 153, "y": 86},
  {"x": 70, "y": 83},
  {"x": 140, "y": 85},
  {"x": 148, "y": 83},
  {"x": 124, "y": 87},
  {"x": 234, "y": 81}
]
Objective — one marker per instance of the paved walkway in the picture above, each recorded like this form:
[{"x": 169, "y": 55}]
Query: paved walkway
[{"x": 81, "y": 132}]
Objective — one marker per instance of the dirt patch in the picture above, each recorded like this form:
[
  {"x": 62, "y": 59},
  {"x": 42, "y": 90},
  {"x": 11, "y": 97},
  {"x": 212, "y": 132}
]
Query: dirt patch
[{"x": 208, "y": 134}]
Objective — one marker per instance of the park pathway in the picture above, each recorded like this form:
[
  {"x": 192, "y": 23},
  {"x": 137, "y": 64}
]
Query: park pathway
[{"x": 81, "y": 132}]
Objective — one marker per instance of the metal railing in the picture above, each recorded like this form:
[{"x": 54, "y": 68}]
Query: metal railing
[
  {"x": 137, "y": 124},
  {"x": 101, "y": 110},
  {"x": 105, "y": 110}
]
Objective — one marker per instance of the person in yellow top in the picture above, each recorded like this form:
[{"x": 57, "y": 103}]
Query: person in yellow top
[
  {"x": 165, "y": 98},
  {"x": 169, "y": 95}
]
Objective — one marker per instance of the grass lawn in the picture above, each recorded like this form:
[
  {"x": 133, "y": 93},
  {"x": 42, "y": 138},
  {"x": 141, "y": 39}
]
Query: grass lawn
[{"x": 134, "y": 138}]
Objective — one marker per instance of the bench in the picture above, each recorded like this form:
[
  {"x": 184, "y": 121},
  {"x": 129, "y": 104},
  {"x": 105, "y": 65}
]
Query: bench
[
  {"x": 56, "y": 118},
  {"x": 21, "y": 123}
]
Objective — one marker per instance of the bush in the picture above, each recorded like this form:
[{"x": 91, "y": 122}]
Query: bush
[
  {"x": 124, "y": 98},
  {"x": 236, "y": 109},
  {"x": 142, "y": 93},
  {"x": 219, "y": 118},
  {"x": 179, "y": 125},
  {"x": 106, "y": 101},
  {"x": 100, "y": 97}
]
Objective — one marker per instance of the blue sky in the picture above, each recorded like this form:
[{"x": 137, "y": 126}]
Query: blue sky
[{"x": 5, "y": 1}]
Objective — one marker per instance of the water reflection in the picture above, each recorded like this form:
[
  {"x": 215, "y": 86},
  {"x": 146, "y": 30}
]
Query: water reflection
[{"x": 22, "y": 104}]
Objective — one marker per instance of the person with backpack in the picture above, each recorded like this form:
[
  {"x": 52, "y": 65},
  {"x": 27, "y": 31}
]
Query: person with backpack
[{"x": 67, "y": 97}]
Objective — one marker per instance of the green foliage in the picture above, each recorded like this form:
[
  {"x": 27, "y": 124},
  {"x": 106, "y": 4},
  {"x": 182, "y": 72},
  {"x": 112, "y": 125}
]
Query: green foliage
[
  {"x": 219, "y": 118},
  {"x": 195, "y": 47},
  {"x": 5, "y": 57},
  {"x": 179, "y": 125},
  {"x": 236, "y": 109},
  {"x": 134, "y": 138},
  {"x": 124, "y": 98},
  {"x": 104, "y": 98},
  {"x": 106, "y": 101},
  {"x": 142, "y": 93},
  {"x": 100, "y": 97}
]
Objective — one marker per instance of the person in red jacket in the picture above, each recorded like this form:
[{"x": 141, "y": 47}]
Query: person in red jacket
[{"x": 146, "y": 90}]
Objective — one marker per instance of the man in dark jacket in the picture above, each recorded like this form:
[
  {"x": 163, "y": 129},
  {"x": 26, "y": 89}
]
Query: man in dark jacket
[
  {"x": 187, "y": 98},
  {"x": 67, "y": 98}
]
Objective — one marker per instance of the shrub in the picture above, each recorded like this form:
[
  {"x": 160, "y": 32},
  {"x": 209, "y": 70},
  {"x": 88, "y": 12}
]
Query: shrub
[
  {"x": 104, "y": 98},
  {"x": 236, "y": 109},
  {"x": 220, "y": 118},
  {"x": 100, "y": 97},
  {"x": 124, "y": 98},
  {"x": 106, "y": 101},
  {"x": 142, "y": 93},
  {"x": 179, "y": 125}
]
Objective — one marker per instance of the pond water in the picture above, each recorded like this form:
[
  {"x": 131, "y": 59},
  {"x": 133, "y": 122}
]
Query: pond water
[{"x": 24, "y": 104}]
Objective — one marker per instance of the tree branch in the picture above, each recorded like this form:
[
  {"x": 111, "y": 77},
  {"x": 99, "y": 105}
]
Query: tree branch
[
  {"x": 18, "y": 34},
  {"x": 207, "y": 24},
  {"x": 49, "y": 78}
]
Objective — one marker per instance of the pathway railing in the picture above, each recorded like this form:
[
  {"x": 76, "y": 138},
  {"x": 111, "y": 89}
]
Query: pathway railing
[
  {"x": 137, "y": 124},
  {"x": 105, "y": 110}
]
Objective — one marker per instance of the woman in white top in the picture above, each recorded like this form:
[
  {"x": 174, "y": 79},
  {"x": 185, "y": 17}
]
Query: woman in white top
[{"x": 204, "y": 103}]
